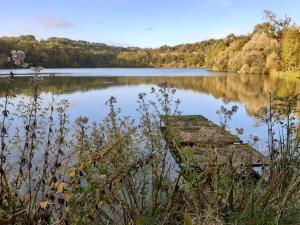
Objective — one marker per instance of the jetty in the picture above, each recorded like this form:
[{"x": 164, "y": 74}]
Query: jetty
[{"x": 207, "y": 143}]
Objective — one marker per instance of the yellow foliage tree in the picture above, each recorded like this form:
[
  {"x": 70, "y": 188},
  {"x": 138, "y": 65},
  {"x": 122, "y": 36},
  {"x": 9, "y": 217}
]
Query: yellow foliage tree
[{"x": 290, "y": 53}]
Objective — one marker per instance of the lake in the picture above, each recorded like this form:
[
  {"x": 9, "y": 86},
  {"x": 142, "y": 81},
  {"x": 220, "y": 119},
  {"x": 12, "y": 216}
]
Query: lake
[
  {"x": 200, "y": 91},
  {"x": 115, "y": 72}
]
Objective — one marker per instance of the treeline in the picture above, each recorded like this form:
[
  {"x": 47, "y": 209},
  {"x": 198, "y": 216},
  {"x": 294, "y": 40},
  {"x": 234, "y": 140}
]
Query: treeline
[
  {"x": 60, "y": 52},
  {"x": 272, "y": 45}
]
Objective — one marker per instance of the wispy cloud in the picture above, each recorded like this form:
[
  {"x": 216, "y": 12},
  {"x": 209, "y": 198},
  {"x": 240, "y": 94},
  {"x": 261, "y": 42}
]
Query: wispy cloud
[
  {"x": 54, "y": 22},
  {"x": 149, "y": 28}
]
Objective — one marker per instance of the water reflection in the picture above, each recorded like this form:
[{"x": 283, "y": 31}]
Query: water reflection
[
  {"x": 250, "y": 90},
  {"x": 199, "y": 95}
]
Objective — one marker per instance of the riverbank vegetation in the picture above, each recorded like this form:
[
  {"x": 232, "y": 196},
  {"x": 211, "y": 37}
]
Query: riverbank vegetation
[
  {"x": 120, "y": 171},
  {"x": 273, "y": 45}
]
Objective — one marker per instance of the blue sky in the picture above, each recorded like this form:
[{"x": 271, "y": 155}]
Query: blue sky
[{"x": 142, "y": 23}]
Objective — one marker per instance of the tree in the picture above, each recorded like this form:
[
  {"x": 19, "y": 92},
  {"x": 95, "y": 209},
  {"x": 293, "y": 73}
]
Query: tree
[
  {"x": 278, "y": 24},
  {"x": 3, "y": 59},
  {"x": 256, "y": 51},
  {"x": 266, "y": 27},
  {"x": 290, "y": 53}
]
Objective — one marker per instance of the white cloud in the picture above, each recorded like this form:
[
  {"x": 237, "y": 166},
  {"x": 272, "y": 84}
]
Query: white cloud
[{"x": 54, "y": 22}]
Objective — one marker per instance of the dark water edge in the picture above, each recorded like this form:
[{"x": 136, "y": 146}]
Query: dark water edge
[{"x": 110, "y": 72}]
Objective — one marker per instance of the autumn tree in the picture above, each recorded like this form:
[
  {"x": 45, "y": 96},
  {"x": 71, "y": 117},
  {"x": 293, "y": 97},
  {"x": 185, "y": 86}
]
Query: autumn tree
[
  {"x": 290, "y": 53},
  {"x": 255, "y": 53},
  {"x": 278, "y": 24}
]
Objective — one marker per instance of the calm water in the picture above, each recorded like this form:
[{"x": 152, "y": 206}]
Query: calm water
[
  {"x": 200, "y": 91},
  {"x": 115, "y": 72}
]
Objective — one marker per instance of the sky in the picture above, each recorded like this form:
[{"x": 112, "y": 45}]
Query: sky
[{"x": 140, "y": 23}]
